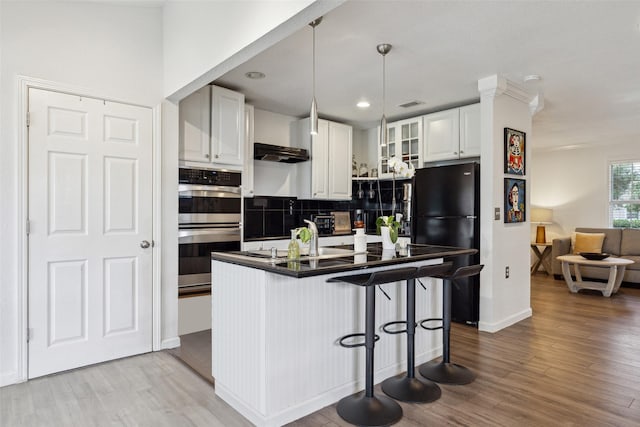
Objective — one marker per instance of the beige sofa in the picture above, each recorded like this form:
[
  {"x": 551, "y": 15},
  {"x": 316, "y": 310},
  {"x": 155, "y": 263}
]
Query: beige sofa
[{"x": 620, "y": 242}]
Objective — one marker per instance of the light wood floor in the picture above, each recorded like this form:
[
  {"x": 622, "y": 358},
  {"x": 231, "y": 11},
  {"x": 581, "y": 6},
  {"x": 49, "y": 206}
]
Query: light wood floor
[
  {"x": 195, "y": 352},
  {"x": 576, "y": 362}
]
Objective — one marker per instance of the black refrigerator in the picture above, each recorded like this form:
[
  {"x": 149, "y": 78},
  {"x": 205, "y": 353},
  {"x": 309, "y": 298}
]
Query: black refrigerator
[{"x": 446, "y": 211}]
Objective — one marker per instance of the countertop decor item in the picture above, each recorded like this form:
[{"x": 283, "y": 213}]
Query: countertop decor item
[
  {"x": 388, "y": 229},
  {"x": 403, "y": 170}
]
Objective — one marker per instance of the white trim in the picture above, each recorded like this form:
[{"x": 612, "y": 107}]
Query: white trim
[
  {"x": 170, "y": 343},
  {"x": 504, "y": 323},
  {"x": 157, "y": 228},
  {"x": 24, "y": 84}
]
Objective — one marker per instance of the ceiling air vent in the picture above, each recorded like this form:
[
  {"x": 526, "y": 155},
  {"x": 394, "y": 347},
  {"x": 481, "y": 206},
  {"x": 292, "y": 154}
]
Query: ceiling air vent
[{"x": 411, "y": 104}]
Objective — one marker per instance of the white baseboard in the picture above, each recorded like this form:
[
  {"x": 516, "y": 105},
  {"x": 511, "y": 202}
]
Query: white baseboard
[
  {"x": 170, "y": 343},
  {"x": 504, "y": 323}
]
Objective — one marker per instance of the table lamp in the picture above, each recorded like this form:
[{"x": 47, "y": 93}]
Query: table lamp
[{"x": 541, "y": 216}]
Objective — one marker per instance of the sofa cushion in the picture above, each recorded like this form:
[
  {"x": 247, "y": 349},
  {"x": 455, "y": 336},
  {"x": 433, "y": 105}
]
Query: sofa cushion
[
  {"x": 630, "y": 244},
  {"x": 612, "y": 239},
  {"x": 587, "y": 242}
]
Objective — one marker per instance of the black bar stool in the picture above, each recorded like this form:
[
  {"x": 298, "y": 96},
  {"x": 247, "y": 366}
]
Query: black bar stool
[
  {"x": 445, "y": 372},
  {"x": 408, "y": 388},
  {"x": 364, "y": 408}
]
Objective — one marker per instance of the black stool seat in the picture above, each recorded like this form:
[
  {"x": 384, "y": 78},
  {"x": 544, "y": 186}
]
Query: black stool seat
[
  {"x": 365, "y": 408},
  {"x": 445, "y": 372},
  {"x": 408, "y": 388}
]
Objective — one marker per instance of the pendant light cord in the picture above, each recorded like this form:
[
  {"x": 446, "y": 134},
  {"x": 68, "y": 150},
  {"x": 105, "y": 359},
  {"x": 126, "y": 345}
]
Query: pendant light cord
[
  {"x": 313, "y": 72},
  {"x": 384, "y": 82}
]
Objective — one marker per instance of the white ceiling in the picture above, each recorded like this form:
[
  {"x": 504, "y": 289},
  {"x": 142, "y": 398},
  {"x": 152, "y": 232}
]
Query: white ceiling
[{"x": 587, "y": 53}]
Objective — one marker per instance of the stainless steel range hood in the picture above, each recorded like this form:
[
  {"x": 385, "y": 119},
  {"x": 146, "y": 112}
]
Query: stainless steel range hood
[{"x": 277, "y": 153}]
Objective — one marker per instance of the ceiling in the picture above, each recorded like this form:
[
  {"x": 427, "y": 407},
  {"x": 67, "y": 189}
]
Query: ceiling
[{"x": 586, "y": 53}]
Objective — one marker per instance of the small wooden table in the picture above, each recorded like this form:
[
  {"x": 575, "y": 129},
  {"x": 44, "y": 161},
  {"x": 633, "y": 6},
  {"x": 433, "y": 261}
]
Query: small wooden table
[
  {"x": 543, "y": 258},
  {"x": 616, "y": 272}
]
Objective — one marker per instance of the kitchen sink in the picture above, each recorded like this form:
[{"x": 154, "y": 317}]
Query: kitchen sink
[
  {"x": 328, "y": 252},
  {"x": 324, "y": 252}
]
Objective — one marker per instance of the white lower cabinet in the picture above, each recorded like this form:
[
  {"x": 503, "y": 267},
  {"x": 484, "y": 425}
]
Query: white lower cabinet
[{"x": 328, "y": 174}]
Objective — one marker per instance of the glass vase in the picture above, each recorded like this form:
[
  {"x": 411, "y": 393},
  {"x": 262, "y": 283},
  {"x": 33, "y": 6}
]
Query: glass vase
[{"x": 293, "y": 251}]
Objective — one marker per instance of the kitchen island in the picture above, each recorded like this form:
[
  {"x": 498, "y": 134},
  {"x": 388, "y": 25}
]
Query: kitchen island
[{"x": 275, "y": 356}]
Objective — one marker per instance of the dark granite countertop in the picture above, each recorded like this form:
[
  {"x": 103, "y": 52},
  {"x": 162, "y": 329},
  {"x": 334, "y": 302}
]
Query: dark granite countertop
[{"x": 374, "y": 257}]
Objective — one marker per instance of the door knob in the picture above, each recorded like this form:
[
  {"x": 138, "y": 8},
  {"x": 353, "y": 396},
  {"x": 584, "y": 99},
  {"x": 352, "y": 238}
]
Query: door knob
[{"x": 145, "y": 244}]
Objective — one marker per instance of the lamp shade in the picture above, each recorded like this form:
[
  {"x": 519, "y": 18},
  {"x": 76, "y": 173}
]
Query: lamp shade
[{"x": 541, "y": 215}]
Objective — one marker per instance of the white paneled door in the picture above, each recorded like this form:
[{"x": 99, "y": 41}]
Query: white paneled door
[{"x": 90, "y": 217}]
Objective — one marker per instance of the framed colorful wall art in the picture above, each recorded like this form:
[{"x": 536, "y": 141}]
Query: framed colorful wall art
[
  {"x": 514, "y": 200},
  {"x": 514, "y": 151}
]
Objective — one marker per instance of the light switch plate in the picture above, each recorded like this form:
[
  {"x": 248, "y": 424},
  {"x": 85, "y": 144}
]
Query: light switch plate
[{"x": 496, "y": 214}]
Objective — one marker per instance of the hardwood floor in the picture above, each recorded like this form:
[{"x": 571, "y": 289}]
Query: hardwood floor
[{"x": 576, "y": 362}]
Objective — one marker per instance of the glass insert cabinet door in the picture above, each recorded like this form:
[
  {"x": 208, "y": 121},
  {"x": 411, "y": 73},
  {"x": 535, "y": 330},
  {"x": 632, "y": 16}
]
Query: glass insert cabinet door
[{"x": 404, "y": 142}]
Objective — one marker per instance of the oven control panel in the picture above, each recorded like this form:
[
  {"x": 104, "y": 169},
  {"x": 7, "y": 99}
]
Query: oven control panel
[{"x": 209, "y": 177}]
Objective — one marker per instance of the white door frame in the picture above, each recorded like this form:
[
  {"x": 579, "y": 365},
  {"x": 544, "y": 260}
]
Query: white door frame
[{"x": 24, "y": 83}]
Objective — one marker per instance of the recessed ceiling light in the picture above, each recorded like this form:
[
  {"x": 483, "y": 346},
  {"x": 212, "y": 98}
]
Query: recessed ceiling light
[
  {"x": 363, "y": 104},
  {"x": 254, "y": 75},
  {"x": 532, "y": 78}
]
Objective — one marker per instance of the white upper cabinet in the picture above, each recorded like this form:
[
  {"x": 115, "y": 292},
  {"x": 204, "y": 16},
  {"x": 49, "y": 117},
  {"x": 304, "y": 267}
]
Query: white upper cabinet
[
  {"x": 195, "y": 124},
  {"x": 452, "y": 134},
  {"x": 442, "y": 135},
  {"x": 227, "y": 126},
  {"x": 404, "y": 141},
  {"x": 212, "y": 128},
  {"x": 470, "y": 131},
  {"x": 339, "y": 161},
  {"x": 328, "y": 174}
]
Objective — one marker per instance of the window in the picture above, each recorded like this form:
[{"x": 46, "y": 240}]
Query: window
[{"x": 624, "y": 194}]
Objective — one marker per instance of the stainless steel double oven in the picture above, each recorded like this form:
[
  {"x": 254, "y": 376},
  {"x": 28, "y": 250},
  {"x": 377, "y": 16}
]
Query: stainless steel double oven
[{"x": 209, "y": 220}]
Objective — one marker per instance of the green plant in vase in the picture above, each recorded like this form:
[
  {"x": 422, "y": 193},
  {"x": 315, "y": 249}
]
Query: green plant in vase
[{"x": 388, "y": 221}]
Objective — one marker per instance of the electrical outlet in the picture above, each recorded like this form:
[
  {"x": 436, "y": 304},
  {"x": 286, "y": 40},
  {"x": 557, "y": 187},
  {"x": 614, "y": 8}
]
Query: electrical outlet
[{"x": 506, "y": 272}]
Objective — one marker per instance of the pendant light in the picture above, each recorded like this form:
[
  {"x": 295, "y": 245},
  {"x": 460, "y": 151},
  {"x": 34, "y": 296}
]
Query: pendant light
[
  {"x": 313, "y": 115},
  {"x": 383, "y": 49}
]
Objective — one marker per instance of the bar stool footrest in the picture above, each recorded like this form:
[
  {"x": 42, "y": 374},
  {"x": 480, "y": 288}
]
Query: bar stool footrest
[
  {"x": 431, "y": 328},
  {"x": 406, "y": 389},
  {"x": 392, "y": 331},
  {"x": 341, "y": 340},
  {"x": 447, "y": 373},
  {"x": 371, "y": 411}
]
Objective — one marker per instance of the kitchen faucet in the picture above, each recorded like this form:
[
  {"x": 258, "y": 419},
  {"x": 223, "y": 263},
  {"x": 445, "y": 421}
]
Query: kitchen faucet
[{"x": 313, "y": 242}]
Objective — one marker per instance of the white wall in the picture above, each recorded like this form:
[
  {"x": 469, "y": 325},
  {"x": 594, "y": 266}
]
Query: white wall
[
  {"x": 274, "y": 178},
  {"x": 198, "y": 47},
  {"x": 108, "y": 50},
  {"x": 575, "y": 183},
  {"x": 502, "y": 301}
]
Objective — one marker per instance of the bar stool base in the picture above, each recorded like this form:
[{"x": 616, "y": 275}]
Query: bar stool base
[
  {"x": 407, "y": 389},
  {"x": 447, "y": 373},
  {"x": 361, "y": 410}
]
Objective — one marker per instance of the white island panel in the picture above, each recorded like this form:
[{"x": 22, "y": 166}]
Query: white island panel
[{"x": 274, "y": 339}]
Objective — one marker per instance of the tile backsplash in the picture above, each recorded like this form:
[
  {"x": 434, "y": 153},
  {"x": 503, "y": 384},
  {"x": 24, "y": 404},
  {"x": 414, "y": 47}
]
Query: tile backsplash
[
  {"x": 274, "y": 217},
  {"x": 269, "y": 217}
]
